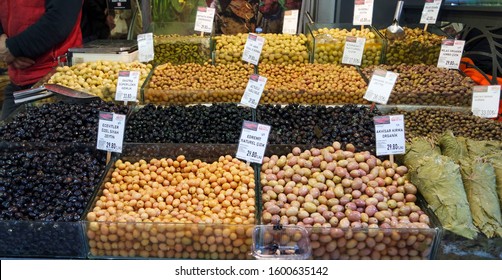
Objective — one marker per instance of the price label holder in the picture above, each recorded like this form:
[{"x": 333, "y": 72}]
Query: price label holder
[
  {"x": 145, "y": 47},
  {"x": 430, "y": 12},
  {"x": 253, "y": 141},
  {"x": 380, "y": 87},
  {"x": 485, "y": 101},
  {"x": 389, "y": 134},
  {"x": 353, "y": 50},
  {"x": 204, "y": 19},
  {"x": 110, "y": 133},
  {"x": 363, "y": 12},
  {"x": 254, "y": 90},
  {"x": 252, "y": 49},
  {"x": 451, "y": 53},
  {"x": 290, "y": 22},
  {"x": 127, "y": 86}
]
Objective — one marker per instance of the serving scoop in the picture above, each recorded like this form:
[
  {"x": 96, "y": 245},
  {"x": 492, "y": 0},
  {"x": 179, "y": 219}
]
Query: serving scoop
[{"x": 394, "y": 31}]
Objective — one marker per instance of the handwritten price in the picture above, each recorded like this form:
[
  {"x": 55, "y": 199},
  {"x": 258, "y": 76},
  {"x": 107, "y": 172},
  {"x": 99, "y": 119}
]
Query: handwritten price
[{"x": 393, "y": 147}]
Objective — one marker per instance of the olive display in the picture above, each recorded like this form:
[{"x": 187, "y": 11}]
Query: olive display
[
  {"x": 221, "y": 123},
  {"x": 58, "y": 122},
  {"x": 178, "y": 49},
  {"x": 354, "y": 205},
  {"x": 327, "y": 45},
  {"x": 98, "y": 78}
]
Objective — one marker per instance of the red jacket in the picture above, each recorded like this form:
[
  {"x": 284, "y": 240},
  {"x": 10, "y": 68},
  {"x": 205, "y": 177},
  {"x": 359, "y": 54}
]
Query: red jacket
[{"x": 15, "y": 17}]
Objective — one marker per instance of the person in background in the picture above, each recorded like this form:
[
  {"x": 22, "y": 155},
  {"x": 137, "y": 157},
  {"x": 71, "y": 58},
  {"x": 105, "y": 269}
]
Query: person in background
[
  {"x": 97, "y": 21},
  {"x": 34, "y": 35}
]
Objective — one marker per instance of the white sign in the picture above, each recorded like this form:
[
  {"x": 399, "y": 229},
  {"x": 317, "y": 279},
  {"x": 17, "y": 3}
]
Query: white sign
[
  {"x": 363, "y": 12},
  {"x": 381, "y": 85},
  {"x": 290, "y": 22},
  {"x": 389, "y": 134},
  {"x": 145, "y": 47},
  {"x": 252, "y": 49},
  {"x": 451, "y": 53},
  {"x": 204, "y": 19},
  {"x": 254, "y": 90},
  {"x": 430, "y": 11},
  {"x": 485, "y": 101},
  {"x": 353, "y": 50},
  {"x": 127, "y": 86},
  {"x": 111, "y": 132},
  {"x": 253, "y": 141}
]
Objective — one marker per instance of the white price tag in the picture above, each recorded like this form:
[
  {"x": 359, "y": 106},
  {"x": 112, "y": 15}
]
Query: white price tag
[
  {"x": 252, "y": 49},
  {"x": 485, "y": 101},
  {"x": 363, "y": 12},
  {"x": 353, "y": 50},
  {"x": 253, "y": 141},
  {"x": 204, "y": 19},
  {"x": 451, "y": 53},
  {"x": 381, "y": 85},
  {"x": 290, "y": 22},
  {"x": 389, "y": 134},
  {"x": 430, "y": 11},
  {"x": 145, "y": 47},
  {"x": 254, "y": 90},
  {"x": 111, "y": 132},
  {"x": 127, "y": 86}
]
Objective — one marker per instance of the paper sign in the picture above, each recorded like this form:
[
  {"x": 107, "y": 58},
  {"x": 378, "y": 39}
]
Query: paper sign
[
  {"x": 430, "y": 11},
  {"x": 363, "y": 12},
  {"x": 451, "y": 53},
  {"x": 253, "y": 141},
  {"x": 145, "y": 47},
  {"x": 290, "y": 22},
  {"x": 111, "y": 132},
  {"x": 204, "y": 19},
  {"x": 252, "y": 49},
  {"x": 127, "y": 86},
  {"x": 389, "y": 134},
  {"x": 381, "y": 85},
  {"x": 254, "y": 90},
  {"x": 353, "y": 50},
  {"x": 485, "y": 101}
]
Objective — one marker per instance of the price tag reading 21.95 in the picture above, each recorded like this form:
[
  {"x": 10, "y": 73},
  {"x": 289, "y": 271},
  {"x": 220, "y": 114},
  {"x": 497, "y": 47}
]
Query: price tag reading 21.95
[
  {"x": 389, "y": 134},
  {"x": 253, "y": 141},
  {"x": 111, "y": 132}
]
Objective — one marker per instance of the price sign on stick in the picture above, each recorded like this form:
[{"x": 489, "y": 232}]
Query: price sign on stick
[
  {"x": 381, "y": 85},
  {"x": 363, "y": 12},
  {"x": 252, "y": 49},
  {"x": 145, "y": 47},
  {"x": 127, "y": 86},
  {"x": 430, "y": 11},
  {"x": 389, "y": 134},
  {"x": 254, "y": 90},
  {"x": 111, "y": 132},
  {"x": 353, "y": 50},
  {"x": 253, "y": 141},
  {"x": 485, "y": 101},
  {"x": 204, "y": 19},
  {"x": 451, "y": 53},
  {"x": 290, "y": 22}
]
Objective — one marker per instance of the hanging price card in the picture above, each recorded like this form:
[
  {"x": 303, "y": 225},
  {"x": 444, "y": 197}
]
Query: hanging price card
[
  {"x": 353, "y": 50},
  {"x": 253, "y": 141},
  {"x": 389, "y": 134},
  {"x": 204, "y": 19},
  {"x": 254, "y": 89},
  {"x": 430, "y": 11},
  {"x": 252, "y": 49},
  {"x": 381, "y": 85},
  {"x": 111, "y": 132},
  {"x": 145, "y": 47},
  {"x": 127, "y": 86},
  {"x": 290, "y": 22},
  {"x": 363, "y": 12},
  {"x": 451, "y": 53},
  {"x": 485, "y": 101}
]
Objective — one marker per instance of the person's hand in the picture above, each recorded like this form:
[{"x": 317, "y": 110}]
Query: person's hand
[
  {"x": 5, "y": 54},
  {"x": 22, "y": 62}
]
